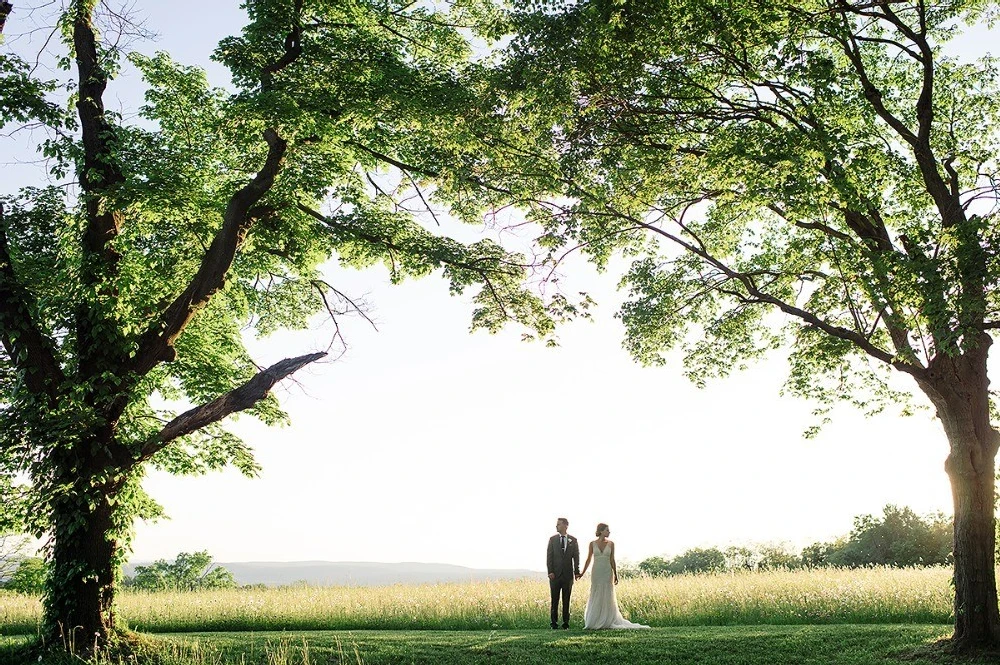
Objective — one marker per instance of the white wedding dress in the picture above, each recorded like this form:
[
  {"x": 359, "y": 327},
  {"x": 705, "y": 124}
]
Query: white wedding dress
[{"x": 602, "y": 607}]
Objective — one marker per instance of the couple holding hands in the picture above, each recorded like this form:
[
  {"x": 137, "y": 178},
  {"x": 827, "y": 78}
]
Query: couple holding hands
[{"x": 563, "y": 561}]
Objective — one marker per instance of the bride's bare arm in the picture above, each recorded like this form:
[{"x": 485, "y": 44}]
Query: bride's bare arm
[
  {"x": 614, "y": 567},
  {"x": 590, "y": 555}
]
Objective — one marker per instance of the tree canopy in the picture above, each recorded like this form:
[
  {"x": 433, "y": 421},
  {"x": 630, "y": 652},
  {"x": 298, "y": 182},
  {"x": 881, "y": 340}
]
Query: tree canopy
[
  {"x": 130, "y": 275},
  {"x": 818, "y": 175}
]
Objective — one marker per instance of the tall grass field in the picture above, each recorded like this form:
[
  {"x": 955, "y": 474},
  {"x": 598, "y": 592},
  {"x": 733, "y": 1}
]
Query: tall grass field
[{"x": 825, "y": 596}]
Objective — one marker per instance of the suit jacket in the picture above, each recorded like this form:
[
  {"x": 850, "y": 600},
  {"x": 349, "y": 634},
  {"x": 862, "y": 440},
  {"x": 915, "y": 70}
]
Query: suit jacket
[{"x": 563, "y": 564}]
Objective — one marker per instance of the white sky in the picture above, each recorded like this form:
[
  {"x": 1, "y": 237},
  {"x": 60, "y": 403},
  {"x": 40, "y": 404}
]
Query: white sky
[{"x": 428, "y": 443}]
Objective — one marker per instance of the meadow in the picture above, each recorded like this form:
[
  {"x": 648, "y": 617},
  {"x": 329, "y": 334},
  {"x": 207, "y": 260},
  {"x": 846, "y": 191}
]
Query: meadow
[{"x": 822, "y": 596}]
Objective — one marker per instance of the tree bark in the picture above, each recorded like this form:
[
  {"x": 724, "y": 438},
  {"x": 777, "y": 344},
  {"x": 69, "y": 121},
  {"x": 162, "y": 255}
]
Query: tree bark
[
  {"x": 79, "y": 609},
  {"x": 90, "y": 524},
  {"x": 236, "y": 400},
  {"x": 977, "y": 621},
  {"x": 5, "y": 9},
  {"x": 959, "y": 388}
]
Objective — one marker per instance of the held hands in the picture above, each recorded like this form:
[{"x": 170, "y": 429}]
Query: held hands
[{"x": 578, "y": 576}]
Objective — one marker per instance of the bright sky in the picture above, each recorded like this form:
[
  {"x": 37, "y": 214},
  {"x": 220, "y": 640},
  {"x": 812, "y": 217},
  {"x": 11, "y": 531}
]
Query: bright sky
[{"x": 428, "y": 443}]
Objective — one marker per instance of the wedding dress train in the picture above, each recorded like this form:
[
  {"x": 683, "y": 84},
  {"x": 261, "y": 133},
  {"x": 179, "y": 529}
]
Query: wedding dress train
[{"x": 602, "y": 608}]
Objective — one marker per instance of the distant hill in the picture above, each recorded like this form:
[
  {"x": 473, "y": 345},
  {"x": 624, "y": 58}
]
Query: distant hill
[{"x": 360, "y": 573}]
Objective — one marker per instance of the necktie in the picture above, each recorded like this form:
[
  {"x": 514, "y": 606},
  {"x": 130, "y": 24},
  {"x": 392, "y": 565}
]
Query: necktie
[{"x": 563, "y": 543}]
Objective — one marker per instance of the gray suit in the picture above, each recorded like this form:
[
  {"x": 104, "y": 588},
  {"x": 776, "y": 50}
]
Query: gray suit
[{"x": 565, "y": 565}]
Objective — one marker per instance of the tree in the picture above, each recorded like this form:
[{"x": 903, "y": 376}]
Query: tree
[
  {"x": 740, "y": 557},
  {"x": 816, "y": 173},
  {"x": 819, "y": 555},
  {"x": 187, "y": 572},
  {"x": 900, "y": 538},
  {"x": 654, "y": 566},
  {"x": 697, "y": 560},
  {"x": 29, "y": 577},
  {"x": 776, "y": 556},
  {"x": 126, "y": 280},
  {"x": 760, "y": 556}
]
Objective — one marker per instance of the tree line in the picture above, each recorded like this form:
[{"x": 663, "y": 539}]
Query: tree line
[
  {"x": 898, "y": 538},
  {"x": 189, "y": 571}
]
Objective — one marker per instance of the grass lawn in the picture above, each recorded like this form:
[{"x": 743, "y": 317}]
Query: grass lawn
[{"x": 729, "y": 645}]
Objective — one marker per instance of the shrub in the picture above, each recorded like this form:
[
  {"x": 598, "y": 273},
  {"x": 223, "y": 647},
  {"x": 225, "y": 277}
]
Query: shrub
[{"x": 29, "y": 577}]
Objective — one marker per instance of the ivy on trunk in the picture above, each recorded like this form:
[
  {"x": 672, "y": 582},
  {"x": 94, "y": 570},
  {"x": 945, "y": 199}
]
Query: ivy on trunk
[{"x": 212, "y": 215}]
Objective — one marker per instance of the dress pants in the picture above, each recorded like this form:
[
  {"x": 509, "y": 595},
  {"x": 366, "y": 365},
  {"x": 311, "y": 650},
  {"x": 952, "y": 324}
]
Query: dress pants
[{"x": 561, "y": 585}]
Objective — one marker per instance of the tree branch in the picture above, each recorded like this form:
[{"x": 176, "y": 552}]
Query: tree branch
[
  {"x": 871, "y": 92},
  {"x": 293, "y": 49},
  {"x": 5, "y": 9},
  {"x": 410, "y": 168},
  {"x": 100, "y": 171},
  {"x": 98, "y": 335},
  {"x": 948, "y": 206},
  {"x": 450, "y": 256},
  {"x": 762, "y": 297},
  {"x": 156, "y": 344},
  {"x": 30, "y": 350},
  {"x": 236, "y": 400},
  {"x": 925, "y": 103}
]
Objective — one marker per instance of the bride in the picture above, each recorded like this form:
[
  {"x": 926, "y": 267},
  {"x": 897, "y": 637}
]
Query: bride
[{"x": 602, "y": 607}]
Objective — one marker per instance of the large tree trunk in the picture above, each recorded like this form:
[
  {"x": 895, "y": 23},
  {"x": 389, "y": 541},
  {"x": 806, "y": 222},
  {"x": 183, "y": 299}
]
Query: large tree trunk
[
  {"x": 79, "y": 609},
  {"x": 977, "y": 621},
  {"x": 958, "y": 386}
]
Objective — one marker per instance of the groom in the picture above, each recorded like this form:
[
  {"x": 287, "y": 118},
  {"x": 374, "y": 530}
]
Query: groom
[{"x": 563, "y": 559}]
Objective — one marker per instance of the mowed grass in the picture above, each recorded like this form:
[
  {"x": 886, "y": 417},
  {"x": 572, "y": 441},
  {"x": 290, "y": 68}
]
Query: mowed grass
[
  {"x": 700, "y": 645},
  {"x": 861, "y": 596}
]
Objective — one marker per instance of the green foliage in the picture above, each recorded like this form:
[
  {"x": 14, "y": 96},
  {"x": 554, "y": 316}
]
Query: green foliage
[
  {"x": 654, "y": 565},
  {"x": 756, "y": 157},
  {"x": 14, "y": 506},
  {"x": 29, "y": 577},
  {"x": 697, "y": 560},
  {"x": 129, "y": 276},
  {"x": 760, "y": 557},
  {"x": 745, "y": 558},
  {"x": 818, "y": 555},
  {"x": 899, "y": 538},
  {"x": 819, "y": 176},
  {"x": 23, "y": 97},
  {"x": 187, "y": 572}
]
